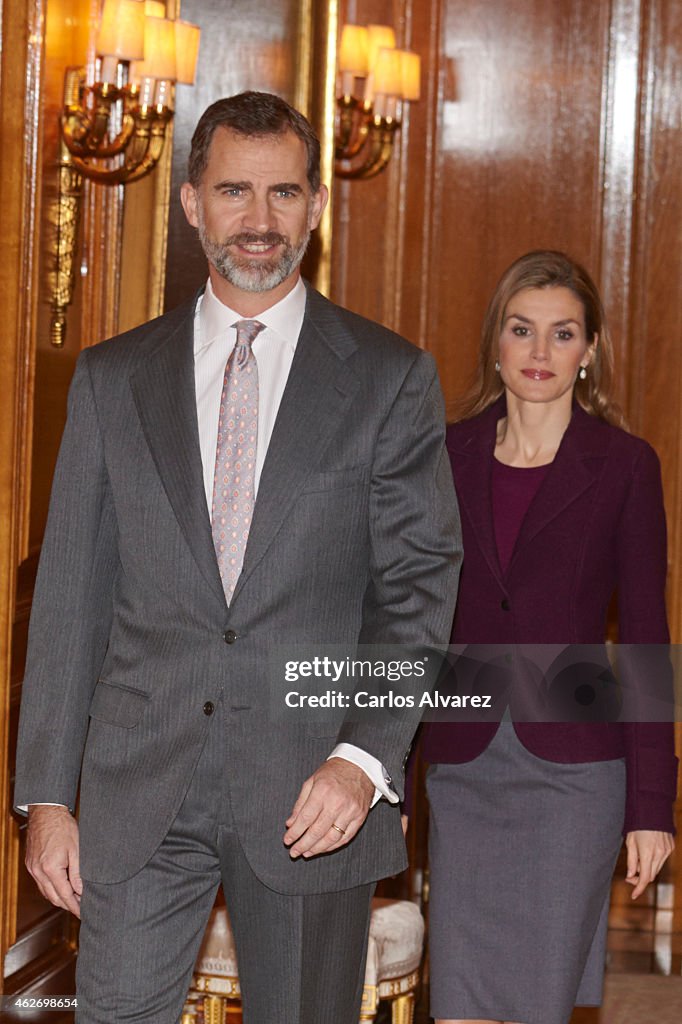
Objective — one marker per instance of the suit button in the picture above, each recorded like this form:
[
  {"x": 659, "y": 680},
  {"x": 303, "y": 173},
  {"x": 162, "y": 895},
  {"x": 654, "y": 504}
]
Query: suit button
[
  {"x": 229, "y": 636},
  {"x": 209, "y": 708},
  {"x": 504, "y": 605}
]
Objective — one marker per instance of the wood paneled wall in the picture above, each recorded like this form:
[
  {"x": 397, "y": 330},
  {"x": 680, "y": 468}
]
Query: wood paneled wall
[
  {"x": 654, "y": 315},
  {"x": 540, "y": 125}
]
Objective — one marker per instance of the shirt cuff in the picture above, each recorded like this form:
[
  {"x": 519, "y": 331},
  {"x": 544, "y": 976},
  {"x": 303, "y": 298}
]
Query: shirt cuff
[
  {"x": 43, "y": 803},
  {"x": 373, "y": 769}
]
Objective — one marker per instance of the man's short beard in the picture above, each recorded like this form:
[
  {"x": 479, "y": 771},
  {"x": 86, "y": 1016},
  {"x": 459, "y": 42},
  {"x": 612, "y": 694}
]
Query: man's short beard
[{"x": 252, "y": 275}]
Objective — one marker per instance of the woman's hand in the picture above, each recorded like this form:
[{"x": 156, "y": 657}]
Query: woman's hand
[{"x": 647, "y": 853}]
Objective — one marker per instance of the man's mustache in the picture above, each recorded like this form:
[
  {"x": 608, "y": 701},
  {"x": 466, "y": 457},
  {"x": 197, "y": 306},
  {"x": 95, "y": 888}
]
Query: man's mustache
[{"x": 250, "y": 238}]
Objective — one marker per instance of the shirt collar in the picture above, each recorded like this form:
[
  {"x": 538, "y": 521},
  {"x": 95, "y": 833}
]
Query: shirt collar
[{"x": 214, "y": 318}]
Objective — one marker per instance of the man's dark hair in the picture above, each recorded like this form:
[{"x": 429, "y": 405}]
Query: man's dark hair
[{"x": 252, "y": 114}]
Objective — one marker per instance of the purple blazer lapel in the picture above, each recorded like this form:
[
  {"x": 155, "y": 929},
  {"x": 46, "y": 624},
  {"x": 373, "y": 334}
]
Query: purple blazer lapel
[
  {"x": 577, "y": 466},
  {"x": 471, "y": 456}
]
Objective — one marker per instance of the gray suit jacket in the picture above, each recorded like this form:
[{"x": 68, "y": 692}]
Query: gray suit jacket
[{"x": 355, "y": 538}]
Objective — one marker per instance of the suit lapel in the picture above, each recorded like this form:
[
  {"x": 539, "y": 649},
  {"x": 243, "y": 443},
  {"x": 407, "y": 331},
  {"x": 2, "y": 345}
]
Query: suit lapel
[
  {"x": 164, "y": 393},
  {"x": 319, "y": 390}
]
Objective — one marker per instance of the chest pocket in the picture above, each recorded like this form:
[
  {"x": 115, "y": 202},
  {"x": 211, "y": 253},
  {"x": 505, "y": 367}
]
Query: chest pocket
[{"x": 339, "y": 479}]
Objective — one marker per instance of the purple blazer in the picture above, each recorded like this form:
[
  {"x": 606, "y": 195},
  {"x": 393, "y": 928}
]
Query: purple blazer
[{"x": 597, "y": 525}]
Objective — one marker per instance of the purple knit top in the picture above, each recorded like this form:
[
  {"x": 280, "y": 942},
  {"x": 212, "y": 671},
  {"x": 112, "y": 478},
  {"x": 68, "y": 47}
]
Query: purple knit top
[{"x": 513, "y": 489}]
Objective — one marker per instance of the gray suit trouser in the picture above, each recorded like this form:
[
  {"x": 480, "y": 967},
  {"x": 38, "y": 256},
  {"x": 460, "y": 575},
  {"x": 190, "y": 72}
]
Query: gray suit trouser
[{"x": 301, "y": 958}]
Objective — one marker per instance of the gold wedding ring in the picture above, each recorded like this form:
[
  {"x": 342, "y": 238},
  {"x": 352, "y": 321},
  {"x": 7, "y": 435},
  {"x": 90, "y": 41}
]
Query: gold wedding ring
[{"x": 342, "y": 831}]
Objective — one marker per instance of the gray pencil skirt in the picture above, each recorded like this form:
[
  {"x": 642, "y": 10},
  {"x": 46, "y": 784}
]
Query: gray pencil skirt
[{"x": 521, "y": 852}]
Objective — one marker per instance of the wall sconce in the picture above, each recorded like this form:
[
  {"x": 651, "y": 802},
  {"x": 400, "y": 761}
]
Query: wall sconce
[
  {"x": 374, "y": 78},
  {"x": 113, "y": 130}
]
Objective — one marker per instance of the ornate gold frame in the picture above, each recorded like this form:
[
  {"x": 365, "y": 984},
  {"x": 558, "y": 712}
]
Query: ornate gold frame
[{"x": 315, "y": 95}]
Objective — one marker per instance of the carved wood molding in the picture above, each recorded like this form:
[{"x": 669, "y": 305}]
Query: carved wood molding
[{"x": 22, "y": 53}]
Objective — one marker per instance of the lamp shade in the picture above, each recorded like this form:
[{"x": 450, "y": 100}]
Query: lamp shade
[
  {"x": 186, "y": 51},
  {"x": 353, "y": 54},
  {"x": 378, "y": 37},
  {"x": 121, "y": 30},
  {"x": 155, "y": 8},
  {"x": 159, "y": 48},
  {"x": 410, "y": 74},
  {"x": 387, "y": 73}
]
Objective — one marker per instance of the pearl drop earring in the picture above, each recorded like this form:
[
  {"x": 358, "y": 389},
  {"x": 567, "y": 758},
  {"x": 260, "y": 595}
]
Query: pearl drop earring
[
  {"x": 497, "y": 366},
  {"x": 583, "y": 373}
]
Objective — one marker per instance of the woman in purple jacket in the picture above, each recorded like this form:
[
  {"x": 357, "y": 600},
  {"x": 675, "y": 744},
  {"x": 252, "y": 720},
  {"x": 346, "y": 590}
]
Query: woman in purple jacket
[{"x": 560, "y": 508}]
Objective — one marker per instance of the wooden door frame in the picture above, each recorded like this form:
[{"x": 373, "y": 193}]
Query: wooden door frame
[{"x": 20, "y": 89}]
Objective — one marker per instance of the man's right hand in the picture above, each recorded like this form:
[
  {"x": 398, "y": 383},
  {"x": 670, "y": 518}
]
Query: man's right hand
[{"x": 52, "y": 855}]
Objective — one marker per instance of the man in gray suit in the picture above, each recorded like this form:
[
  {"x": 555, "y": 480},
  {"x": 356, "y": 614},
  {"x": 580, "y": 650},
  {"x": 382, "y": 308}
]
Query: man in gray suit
[{"x": 262, "y": 412}]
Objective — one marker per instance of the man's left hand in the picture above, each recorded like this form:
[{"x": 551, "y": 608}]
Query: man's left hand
[{"x": 331, "y": 807}]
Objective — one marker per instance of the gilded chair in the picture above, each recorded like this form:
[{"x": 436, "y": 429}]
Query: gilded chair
[{"x": 396, "y": 940}]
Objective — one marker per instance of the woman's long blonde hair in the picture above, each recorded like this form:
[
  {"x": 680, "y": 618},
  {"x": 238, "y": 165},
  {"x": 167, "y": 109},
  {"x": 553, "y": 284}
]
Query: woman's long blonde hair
[{"x": 545, "y": 268}]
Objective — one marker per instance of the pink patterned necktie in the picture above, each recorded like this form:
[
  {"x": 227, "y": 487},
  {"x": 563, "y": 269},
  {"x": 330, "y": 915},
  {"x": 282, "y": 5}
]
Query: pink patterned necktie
[{"x": 235, "y": 464}]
